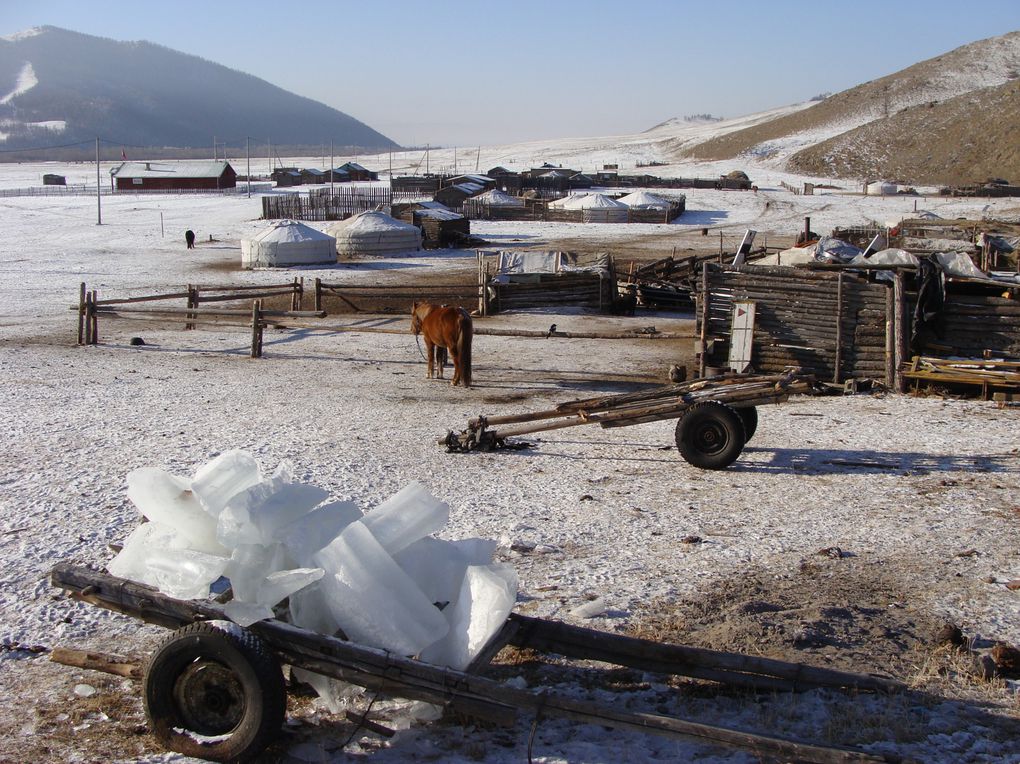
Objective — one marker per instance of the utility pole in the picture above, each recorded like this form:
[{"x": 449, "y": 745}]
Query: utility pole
[
  {"x": 99, "y": 202},
  {"x": 426, "y": 159},
  {"x": 331, "y": 167},
  {"x": 247, "y": 161},
  {"x": 214, "y": 148},
  {"x": 454, "y": 160}
]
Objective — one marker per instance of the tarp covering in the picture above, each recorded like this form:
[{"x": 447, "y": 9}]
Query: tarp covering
[
  {"x": 881, "y": 188},
  {"x": 374, "y": 233},
  {"x": 287, "y": 242},
  {"x": 514, "y": 262}
]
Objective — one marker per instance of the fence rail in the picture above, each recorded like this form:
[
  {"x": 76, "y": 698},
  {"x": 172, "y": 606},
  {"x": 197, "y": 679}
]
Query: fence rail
[
  {"x": 321, "y": 205},
  {"x": 77, "y": 190}
]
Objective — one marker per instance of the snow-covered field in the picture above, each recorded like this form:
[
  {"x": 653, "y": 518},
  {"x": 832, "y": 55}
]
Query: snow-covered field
[{"x": 604, "y": 512}]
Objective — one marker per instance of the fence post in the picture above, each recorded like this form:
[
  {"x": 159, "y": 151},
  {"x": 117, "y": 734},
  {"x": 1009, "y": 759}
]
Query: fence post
[
  {"x": 192, "y": 303},
  {"x": 703, "y": 354},
  {"x": 93, "y": 318},
  {"x": 900, "y": 310},
  {"x": 81, "y": 314},
  {"x": 839, "y": 329},
  {"x": 318, "y": 294},
  {"x": 256, "y": 329}
]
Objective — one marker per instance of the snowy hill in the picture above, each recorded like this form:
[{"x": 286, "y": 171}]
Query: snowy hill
[
  {"x": 58, "y": 83},
  {"x": 973, "y": 69}
]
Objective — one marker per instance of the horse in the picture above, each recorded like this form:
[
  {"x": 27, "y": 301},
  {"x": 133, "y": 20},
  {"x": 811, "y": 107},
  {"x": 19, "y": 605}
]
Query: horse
[
  {"x": 189, "y": 238},
  {"x": 445, "y": 329}
]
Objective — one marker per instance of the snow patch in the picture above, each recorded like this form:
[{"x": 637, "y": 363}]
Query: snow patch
[{"x": 25, "y": 82}]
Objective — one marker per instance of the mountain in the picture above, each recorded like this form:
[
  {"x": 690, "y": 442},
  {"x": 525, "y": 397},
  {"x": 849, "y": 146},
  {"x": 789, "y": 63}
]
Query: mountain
[
  {"x": 890, "y": 127},
  {"x": 58, "y": 86}
]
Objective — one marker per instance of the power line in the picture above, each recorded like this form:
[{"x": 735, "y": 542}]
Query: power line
[{"x": 46, "y": 148}]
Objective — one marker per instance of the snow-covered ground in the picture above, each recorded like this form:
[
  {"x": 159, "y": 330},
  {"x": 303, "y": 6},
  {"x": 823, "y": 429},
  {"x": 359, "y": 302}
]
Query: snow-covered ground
[{"x": 604, "y": 512}]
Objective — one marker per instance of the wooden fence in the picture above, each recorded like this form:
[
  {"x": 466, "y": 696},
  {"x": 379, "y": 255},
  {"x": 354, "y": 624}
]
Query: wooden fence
[
  {"x": 90, "y": 307},
  {"x": 321, "y": 205},
  {"x": 839, "y": 325},
  {"x": 389, "y": 298},
  {"x": 540, "y": 212}
]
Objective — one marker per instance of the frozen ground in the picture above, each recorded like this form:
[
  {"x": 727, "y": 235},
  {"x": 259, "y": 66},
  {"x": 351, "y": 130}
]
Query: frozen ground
[{"x": 928, "y": 531}]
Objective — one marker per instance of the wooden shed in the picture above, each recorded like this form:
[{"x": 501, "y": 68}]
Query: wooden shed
[
  {"x": 210, "y": 175},
  {"x": 440, "y": 226},
  {"x": 454, "y": 196},
  {"x": 356, "y": 172},
  {"x": 50, "y": 179}
]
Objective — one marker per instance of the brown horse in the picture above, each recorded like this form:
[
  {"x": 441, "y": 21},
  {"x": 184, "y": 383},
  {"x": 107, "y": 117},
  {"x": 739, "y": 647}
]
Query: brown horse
[{"x": 445, "y": 329}]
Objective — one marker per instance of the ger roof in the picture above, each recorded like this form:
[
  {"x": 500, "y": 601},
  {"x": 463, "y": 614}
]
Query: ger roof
[{"x": 194, "y": 169}]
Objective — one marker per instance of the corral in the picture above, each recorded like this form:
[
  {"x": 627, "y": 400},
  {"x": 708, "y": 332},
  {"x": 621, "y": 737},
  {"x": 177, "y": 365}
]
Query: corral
[{"x": 848, "y": 533}]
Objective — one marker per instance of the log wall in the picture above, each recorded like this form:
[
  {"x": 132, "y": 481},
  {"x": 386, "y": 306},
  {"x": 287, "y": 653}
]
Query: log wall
[
  {"x": 552, "y": 290},
  {"x": 839, "y": 325}
]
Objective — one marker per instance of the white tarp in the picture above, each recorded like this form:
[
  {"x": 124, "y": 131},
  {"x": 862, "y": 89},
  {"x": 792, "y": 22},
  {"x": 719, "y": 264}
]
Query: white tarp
[
  {"x": 518, "y": 263},
  {"x": 881, "y": 188},
  {"x": 287, "y": 242}
]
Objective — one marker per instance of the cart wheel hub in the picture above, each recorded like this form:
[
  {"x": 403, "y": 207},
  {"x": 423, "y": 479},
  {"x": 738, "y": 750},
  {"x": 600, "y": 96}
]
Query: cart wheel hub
[{"x": 210, "y": 698}]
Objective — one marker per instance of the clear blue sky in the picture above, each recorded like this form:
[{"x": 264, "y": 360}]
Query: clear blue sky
[{"x": 456, "y": 73}]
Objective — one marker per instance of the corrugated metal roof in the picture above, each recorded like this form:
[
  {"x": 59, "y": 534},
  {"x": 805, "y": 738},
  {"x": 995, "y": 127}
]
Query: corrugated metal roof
[{"x": 194, "y": 169}]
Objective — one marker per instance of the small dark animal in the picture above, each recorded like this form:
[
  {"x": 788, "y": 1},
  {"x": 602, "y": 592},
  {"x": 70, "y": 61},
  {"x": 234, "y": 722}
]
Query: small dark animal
[{"x": 189, "y": 237}]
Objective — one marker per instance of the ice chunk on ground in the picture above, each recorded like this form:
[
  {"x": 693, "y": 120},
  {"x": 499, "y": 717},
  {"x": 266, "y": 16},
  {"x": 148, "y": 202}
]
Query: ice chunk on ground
[
  {"x": 408, "y": 515},
  {"x": 255, "y": 515},
  {"x": 279, "y": 585},
  {"x": 372, "y": 599},
  {"x": 222, "y": 478},
  {"x": 184, "y": 573},
  {"x": 311, "y": 532},
  {"x": 132, "y": 560},
  {"x": 246, "y": 613},
  {"x": 167, "y": 499},
  {"x": 486, "y": 598},
  {"x": 477, "y": 551}
]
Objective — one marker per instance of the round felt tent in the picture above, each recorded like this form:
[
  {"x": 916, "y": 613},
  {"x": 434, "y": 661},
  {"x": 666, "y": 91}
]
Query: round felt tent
[
  {"x": 375, "y": 233},
  {"x": 599, "y": 208},
  {"x": 287, "y": 242},
  {"x": 881, "y": 188},
  {"x": 642, "y": 200},
  {"x": 497, "y": 198}
]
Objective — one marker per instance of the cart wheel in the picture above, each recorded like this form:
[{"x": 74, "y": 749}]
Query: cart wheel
[
  {"x": 749, "y": 416},
  {"x": 213, "y": 690},
  {"x": 710, "y": 435}
]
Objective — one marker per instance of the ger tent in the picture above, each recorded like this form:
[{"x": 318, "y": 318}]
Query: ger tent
[
  {"x": 287, "y": 242},
  {"x": 497, "y": 198},
  {"x": 881, "y": 188},
  {"x": 642, "y": 200},
  {"x": 375, "y": 233},
  {"x": 599, "y": 208}
]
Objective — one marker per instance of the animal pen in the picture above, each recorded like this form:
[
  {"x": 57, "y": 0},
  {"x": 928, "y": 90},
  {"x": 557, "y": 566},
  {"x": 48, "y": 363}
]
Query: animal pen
[{"x": 837, "y": 323}]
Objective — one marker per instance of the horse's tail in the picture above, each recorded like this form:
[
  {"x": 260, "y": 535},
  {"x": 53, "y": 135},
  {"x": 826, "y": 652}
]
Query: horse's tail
[{"x": 464, "y": 348}]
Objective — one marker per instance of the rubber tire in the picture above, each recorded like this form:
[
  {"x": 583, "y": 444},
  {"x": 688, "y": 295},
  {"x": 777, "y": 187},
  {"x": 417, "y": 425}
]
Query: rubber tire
[
  {"x": 227, "y": 675},
  {"x": 710, "y": 435},
  {"x": 749, "y": 416}
]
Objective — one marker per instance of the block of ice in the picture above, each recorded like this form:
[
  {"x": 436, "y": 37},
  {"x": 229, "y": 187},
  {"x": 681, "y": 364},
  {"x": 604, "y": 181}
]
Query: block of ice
[
  {"x": 372, "y": 599},
  {"x": 225, "y": 476},
  {"x": 408, "y": 515},
  {"x": 477, "y": 551},
  {"x": 256, "y": 514},
  {"x": 311, "y": 532},
  {"x": 486, "y": 598},
  {"x": 184, "y": 573},
  {"x": 167, "y": 499},
  {"x": 131, "y": 560},
  {"x": 437, "y": 566},
  {"x": 246, "y": 613},
  {"x": 309, "y": 610},
  {"x": 249, "y": 565},
  {"x": 279, "y": 585}
]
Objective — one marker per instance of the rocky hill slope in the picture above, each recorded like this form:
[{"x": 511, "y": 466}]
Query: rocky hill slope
[{"x": 911, "y": 105}]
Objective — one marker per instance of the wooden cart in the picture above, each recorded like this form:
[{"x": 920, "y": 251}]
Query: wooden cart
[
  {"x": 716, "y": 416},
  {"x": 216, "y": 691}
]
